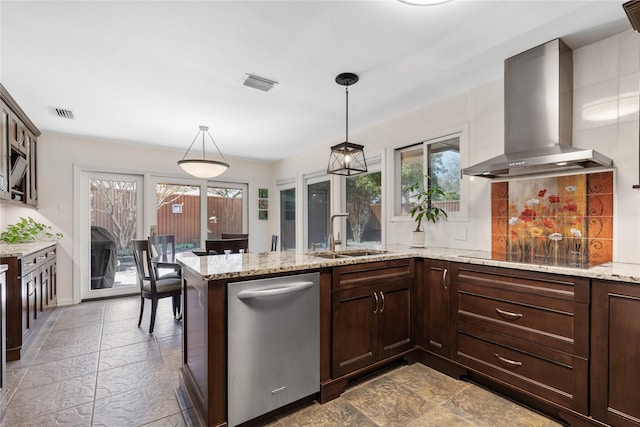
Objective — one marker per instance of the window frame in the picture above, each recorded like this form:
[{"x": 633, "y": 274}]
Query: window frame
[
  {"x": 461, "y": 132},
  {"x": 375, "y": 164}
]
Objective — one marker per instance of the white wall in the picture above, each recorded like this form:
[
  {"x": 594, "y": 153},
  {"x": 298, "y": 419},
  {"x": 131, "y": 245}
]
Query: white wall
[
  {"x": 57, "y": 155},
  {"x": 606, "y": 73}
]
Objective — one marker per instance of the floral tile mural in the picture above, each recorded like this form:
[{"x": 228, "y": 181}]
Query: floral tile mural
[{"x": 564, "y": 220}]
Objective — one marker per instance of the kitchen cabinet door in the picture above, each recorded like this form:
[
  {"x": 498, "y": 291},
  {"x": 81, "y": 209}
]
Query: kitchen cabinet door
[
  {"x": 437, "y": 279},
  {"x": 394, "y": 318},
  {"x": 354, "y": 329},
  {"x": 615, "y": 353}
]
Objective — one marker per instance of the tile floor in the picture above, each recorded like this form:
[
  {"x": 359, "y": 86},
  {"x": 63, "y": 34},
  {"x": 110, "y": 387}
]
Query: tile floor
[{"x": 91, "y": 366}]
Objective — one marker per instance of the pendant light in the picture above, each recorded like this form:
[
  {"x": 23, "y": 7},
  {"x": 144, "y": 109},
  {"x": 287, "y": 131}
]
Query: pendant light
[
  {"x": 347, "y": 158},
  {"x": 203, "y": 168}
]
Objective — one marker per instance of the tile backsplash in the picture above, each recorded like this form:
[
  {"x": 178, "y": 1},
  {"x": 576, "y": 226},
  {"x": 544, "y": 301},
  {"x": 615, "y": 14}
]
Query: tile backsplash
[{"x": 564, "y": 220}]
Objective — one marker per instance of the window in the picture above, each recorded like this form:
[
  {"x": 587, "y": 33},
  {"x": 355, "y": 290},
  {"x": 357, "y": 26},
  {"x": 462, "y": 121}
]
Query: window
[
  {"x": 318, "y": 211},
  {"x": 178, "y": 213},
  {"x": 288, "y": 218},
  {"x": 364, "y": 202},
  {"x": 224, "y": 210},
  {"x": 444, "y": 170},
  {"x": 438, "y": 158}
]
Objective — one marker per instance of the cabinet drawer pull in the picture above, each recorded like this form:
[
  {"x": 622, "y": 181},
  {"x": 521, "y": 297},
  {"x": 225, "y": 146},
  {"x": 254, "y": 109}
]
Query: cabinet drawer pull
[
  {"x": 375, "y": 297},
  {"x": 509, "y": 315},
  {"x": 512, "y": 364},
  {"x": 382, "y": 296},
  {"x": 42, "y": 257},
  {"x": 444, "y": 278}
]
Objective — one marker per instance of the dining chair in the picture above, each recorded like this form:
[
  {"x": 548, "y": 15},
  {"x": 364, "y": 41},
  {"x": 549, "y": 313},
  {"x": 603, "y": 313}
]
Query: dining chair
[
  {"x": 151, "y": 287},
  {"x": 274, "y": 242},
  {"x": 234, "y": 236},
  {"x": 218, "y": 246},
  {"x": 163, "y": 248}
]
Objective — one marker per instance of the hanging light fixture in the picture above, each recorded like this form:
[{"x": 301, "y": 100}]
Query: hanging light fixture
[
  {"x": 347, "y": 158},
  {"x": 424, "y": 2},
  {"x": 203, "y": 168}
]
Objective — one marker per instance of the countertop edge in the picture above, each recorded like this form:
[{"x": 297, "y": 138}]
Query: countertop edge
[
  {"x": 19, "y": 250},
  {"x": 239, "y": 266}
]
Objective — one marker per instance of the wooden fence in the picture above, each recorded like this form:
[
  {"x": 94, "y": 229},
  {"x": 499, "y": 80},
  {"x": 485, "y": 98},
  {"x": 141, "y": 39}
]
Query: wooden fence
[{"x": 180, "y": 218}]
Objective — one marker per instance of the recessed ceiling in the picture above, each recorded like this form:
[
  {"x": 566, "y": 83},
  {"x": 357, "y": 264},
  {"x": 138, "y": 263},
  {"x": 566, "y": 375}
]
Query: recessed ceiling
[{"x": 150, "y": 72}]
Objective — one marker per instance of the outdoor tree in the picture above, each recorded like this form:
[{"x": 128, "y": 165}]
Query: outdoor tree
[
  {"x": 362, "y": 192},
  {"x": 116, "y": 200}
]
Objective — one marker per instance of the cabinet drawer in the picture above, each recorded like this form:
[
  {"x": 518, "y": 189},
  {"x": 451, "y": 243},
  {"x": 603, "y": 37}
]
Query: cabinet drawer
[
  {"x": 350, "y": 276},
  {"x": 544, "y": 322},
  {"x": 543, "y": 309},
  {"x": 556, "y": 376},
  {"x": 32, "y": 261}
]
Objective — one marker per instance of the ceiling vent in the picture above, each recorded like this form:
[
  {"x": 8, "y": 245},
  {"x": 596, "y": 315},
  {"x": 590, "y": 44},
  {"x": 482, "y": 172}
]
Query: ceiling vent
[
  {"x": 63, "y": 113},
  {"x": 257, "y": 82}
]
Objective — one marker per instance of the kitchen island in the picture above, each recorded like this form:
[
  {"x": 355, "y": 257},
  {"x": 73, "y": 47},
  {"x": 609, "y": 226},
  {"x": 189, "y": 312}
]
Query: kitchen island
[{"x": 407, "y": 279}]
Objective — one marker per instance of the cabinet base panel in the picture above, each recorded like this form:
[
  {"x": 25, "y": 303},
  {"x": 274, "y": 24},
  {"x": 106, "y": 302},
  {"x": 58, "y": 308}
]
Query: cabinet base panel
[{"x": 564, "y": 415}]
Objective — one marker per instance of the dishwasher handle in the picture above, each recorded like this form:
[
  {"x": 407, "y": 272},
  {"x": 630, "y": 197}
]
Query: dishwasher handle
[{"x": 281, "y": 290}]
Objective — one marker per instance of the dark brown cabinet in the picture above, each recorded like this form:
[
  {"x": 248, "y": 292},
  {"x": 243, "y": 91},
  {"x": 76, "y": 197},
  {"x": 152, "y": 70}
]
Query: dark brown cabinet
[
  {"x": 371, "y": 313},
  {"x": 3, "y": 370},
  {"x": 31, "y": 292},
  {"x": 436, "y": 306},
  {"x": 18, "y": 153},
  {"x": 528, "y": 330},
  {"x": 615, "y": 350}
]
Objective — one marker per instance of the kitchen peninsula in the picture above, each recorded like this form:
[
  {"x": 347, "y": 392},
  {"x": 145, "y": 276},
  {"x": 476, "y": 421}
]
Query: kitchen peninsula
[{"x": 521, "y": 329}]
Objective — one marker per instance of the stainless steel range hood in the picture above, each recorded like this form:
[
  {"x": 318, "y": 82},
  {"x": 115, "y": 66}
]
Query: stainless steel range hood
[{"x": 538, "y": 95}]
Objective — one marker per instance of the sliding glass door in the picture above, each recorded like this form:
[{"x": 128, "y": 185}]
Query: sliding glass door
[{"x": 112, "y": 219}]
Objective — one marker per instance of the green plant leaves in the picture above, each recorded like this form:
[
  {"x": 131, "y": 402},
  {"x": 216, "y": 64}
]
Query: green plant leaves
[{"x": 27, "y": 230}]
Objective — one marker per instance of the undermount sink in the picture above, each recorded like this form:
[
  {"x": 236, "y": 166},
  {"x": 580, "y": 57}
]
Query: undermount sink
[{"x": 347, "y": 254}]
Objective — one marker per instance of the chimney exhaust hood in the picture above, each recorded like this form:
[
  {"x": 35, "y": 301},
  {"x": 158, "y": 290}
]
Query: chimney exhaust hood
[{"x": 538, "y": 97}]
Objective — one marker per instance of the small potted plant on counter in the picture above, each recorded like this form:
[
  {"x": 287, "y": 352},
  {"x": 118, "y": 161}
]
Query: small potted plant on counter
[
  {"x": 28, "y": 230},
  {"x": 422, "y": 208}
]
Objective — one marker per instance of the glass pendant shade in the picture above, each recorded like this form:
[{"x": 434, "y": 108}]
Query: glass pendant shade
[
  {"x": 201, "y": 167},
  {"x": 347, "y": 159},
  {"x": 424, "y": 2}
]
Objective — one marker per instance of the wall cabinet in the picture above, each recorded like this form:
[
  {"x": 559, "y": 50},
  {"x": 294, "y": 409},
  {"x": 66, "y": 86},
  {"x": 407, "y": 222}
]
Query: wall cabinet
[
  {"x": 18, "y": 153},
  {"x": 528, "y": 330},
  {"x": 31, "y": 293},
  {"x": 371, "y": 316},
  {"x": 615, "y": 349}
]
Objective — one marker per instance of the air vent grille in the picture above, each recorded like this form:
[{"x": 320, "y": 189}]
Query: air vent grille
[
  {"x": 257, "y": 82},
  {"x": 63, "y": 113}
]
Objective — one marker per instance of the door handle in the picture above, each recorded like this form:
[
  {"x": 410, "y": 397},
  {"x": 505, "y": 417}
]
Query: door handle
[
  {"x": 281, "y": 290},
  {"x": 375, "y": 297},
  {"x": 382, "y": 297},
  {"x": 444, "y": 278},
  {"x": 509, "y": 315}
]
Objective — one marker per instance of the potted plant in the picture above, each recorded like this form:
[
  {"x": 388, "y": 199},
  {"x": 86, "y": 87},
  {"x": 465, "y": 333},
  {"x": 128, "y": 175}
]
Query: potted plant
[
  {"x": 28, "y": 230},
  {"x": 422, "y": 208}
]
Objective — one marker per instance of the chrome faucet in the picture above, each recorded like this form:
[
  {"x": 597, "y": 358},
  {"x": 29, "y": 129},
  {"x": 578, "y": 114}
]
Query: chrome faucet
[{"x": 333, "y": 241}]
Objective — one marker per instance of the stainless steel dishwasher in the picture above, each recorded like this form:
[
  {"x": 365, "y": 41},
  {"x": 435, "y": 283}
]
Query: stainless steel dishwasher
[{"x": 273, "y": 348}]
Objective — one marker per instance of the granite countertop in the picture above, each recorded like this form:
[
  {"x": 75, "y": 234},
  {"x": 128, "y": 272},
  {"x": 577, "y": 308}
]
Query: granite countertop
[
  {"x": 221, "y": 267},
  {"x": 21, "y": 249}
]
